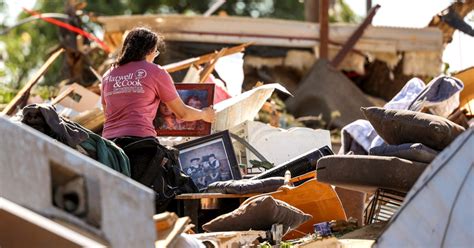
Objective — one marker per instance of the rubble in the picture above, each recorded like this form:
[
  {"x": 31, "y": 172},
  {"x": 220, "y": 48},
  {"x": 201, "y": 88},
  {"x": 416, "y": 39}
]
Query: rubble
[{"x": 274, "y": 183}]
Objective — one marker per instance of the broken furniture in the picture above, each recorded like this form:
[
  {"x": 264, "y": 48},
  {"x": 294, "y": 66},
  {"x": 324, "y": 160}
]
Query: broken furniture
[
  {"x": 298, "y": 166},
  {"x": 382, "y": 206},
  {"x": 440, "y": 202},
  {"x": 314, "y": 198},
  {"x": 266, "y": 139},
  {"x": 192, "y": 205},
  {"x": 368, "y": 174},
  {"x": 260, "y": 212},
  {"x": 246, "y": 186},
  {"x": 33, "y": 165},
  {"x": 398, "y": 127}
]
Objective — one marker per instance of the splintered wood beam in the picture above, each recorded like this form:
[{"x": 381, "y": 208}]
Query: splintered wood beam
[
  {"x": 323, "y": 29},
  {"x": 350, "y": 43},
  {"x": 62, "y": 95},
  {"x": 309, "y": 175},
  {"x": 11, "y": 107},
  {"x": 209, "y": 68},
  {"x": 203, "y": 59},
  {"x": 96, "y": 74}
]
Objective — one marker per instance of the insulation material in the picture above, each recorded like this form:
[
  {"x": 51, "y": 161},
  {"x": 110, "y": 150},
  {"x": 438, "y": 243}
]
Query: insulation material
[
  {"x": 299, "y": 60},
  {"x": 231, "y": 69},
  {"x": 352, "y": 62},
  {"x": 422, "y": 63},
  {"x": 391, "y": 59}
]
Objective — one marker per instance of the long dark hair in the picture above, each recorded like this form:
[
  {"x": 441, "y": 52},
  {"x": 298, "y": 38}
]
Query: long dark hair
[{"x": 139, "y": 43}]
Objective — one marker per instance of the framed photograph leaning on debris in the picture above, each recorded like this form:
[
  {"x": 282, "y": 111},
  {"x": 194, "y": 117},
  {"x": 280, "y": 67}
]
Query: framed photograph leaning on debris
[
  {"x": 209, "y": 159},
  {"x": 195, "y": 95}
]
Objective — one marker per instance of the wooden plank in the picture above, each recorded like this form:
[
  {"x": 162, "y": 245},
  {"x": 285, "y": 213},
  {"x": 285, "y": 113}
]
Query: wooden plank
[
  {"x": 308, "y": 175},
  {"x": 164, "y": 221},
  {"x": 203, "y": 59},
  {"x": 206, "y": 72},
  {"x": 11, "y": 107},
  {"x": 167, "y": 237},
  {"x": 352, "y": 40},
  {"x": 324, "y": 29},
  {"x": 195, "y": 196},
  {"x": 265, "y": 31},
  {"x": 92, "y": 119},
  {"x": 96, "y": 74},
  {"x": 369, "y": 45},
  {"x": 62, "y": 95}
]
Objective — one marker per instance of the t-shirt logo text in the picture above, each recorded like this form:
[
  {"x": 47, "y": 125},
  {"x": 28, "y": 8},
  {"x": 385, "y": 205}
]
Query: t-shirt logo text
[{"x": 128, "y": 83}]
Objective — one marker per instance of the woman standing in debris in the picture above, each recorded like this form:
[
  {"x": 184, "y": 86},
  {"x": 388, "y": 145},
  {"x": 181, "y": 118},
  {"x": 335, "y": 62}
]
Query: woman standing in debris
[{"x": 133, "y": 88}]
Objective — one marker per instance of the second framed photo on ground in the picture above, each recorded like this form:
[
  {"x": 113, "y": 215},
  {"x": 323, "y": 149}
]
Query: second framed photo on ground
[
  {"x": 195, "y": 95},
  {"x": 209, "y": 159}
]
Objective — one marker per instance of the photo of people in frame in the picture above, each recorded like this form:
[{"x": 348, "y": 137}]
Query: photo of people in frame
[
  {"x": 195, "y": 95},
  {"x": 206, "y": 163}
]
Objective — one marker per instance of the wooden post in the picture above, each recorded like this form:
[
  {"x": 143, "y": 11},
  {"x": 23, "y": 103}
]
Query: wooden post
[
  {"x": 350, "y": 43},
  {"x": 323, "y": 29},
  {"x": 63, "y": 95},
  {"x": 311, "y": 10},
  {"x": 11, "y": 107},
  {"x": 209, "y": 68}
]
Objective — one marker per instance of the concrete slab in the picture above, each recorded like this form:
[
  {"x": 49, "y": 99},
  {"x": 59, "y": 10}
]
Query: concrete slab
[
  {"x": 31, "y": 163},
  {"x": 17, "y": 223}
]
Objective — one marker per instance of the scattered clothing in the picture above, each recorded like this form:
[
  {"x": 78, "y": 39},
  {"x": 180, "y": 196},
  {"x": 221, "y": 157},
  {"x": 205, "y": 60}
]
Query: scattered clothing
[
  {"x": 361, "y": 134},
  {"x": 357, "y": 137},
  {"x": 45, "y": 119},
  {"x": 107, "y": 153},
  {"x": 441, "y": 96}
]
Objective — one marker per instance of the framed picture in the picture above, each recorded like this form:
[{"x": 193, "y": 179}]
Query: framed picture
[
  {"x": 209, "y": 159},
  {"x": 195, "y": 95}
]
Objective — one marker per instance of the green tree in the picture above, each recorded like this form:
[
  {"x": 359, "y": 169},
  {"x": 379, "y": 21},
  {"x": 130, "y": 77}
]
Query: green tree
[{"x": 26, "y": 47}]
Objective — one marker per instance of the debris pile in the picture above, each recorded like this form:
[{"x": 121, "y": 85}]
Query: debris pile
[{"x": 279, "y": 180}]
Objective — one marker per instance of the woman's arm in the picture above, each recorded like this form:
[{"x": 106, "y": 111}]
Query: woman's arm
[{"x": 187, "y": 113}]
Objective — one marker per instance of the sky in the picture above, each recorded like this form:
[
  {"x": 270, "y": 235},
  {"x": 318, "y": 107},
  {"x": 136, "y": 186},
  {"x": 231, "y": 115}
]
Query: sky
[{"x": 397, "y": 13}]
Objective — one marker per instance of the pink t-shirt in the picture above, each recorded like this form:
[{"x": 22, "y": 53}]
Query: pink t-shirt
[{"x": 132, "y": 93}]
